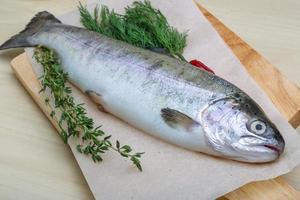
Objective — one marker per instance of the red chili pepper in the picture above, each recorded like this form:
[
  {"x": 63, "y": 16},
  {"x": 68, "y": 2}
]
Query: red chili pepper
[{"x": 199, "y": 64}]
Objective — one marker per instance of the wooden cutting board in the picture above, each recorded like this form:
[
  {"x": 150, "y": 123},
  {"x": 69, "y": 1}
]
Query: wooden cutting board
[{"x": 284, "y": 94}]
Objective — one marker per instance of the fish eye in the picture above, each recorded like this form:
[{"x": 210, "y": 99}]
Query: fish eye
[{"x": 258, "y": 127}]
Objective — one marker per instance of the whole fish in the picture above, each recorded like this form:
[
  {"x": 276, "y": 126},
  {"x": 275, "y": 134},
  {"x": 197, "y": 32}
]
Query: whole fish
[{"x": 167, "y": 98}]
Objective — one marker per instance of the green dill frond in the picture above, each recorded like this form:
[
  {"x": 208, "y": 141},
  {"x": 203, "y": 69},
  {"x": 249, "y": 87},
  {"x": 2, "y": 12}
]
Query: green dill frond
[{"x": 141, "y": 25}]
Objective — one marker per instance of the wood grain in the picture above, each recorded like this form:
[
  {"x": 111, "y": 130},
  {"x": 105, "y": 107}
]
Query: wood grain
[
  {"x": 279, "y": 89},
  {"x": 275, "y": 189},
  {"x": 284, "y": 94},
  {"x": 27, "y": 77}
]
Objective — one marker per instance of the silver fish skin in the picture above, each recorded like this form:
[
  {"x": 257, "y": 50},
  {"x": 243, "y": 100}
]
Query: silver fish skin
[{"x": 165, "y": 97}]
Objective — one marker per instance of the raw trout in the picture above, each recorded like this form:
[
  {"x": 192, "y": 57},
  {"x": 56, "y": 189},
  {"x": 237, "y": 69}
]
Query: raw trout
[{"x": 165, "y": 97}]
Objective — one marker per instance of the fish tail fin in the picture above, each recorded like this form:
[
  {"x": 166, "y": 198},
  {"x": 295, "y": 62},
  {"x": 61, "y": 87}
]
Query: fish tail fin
[{"x": 36, "y": 23}]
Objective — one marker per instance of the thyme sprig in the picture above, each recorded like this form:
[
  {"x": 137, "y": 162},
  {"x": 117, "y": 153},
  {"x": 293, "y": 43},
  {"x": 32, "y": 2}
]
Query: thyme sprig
[
  {"x": 72, "y": 118},
  {"x": 141, "y": 25}
]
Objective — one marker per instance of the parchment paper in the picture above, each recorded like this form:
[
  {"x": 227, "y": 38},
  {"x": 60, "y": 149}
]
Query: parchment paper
[{"x": 171, "y": 172}]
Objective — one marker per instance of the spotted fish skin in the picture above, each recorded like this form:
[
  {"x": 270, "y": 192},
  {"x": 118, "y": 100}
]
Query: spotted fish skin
[
  {"x": 135, "y": 84},
  {"x": 139, "y": 86}
]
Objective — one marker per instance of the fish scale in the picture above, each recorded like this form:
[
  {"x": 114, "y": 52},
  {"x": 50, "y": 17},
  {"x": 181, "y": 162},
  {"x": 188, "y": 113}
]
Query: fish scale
[{"x": 163, "y": 96}]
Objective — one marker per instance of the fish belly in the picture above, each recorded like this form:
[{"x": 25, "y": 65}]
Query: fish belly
[{"x": 134, "y": 85}]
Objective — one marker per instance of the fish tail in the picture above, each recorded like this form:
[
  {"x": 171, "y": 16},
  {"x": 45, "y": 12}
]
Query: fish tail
[{"x": 36, "y": 23}]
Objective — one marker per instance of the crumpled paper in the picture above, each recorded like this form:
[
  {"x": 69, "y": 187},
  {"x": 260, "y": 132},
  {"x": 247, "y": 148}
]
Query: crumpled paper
[{"x": 171, "y": 172}]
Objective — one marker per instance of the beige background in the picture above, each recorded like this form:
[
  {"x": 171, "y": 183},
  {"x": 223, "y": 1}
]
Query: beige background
[{"x": 34, "y": 162}]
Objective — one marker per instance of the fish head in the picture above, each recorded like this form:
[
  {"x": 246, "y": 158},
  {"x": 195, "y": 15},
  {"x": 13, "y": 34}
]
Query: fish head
[{"x": 238, "y": 128}]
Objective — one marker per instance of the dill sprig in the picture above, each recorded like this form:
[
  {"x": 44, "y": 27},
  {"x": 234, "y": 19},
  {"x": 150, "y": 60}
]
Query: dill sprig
[
  {"x": 72, "y": 118},
  {"x": 141, "y": 25}
]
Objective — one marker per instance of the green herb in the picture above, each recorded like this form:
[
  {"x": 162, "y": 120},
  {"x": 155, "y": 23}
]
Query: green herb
[
  {"x": 141, "y": 25},
  {"x": 93, "y": 141}
]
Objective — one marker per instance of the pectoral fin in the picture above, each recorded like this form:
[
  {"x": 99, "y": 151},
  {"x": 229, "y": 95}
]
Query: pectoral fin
[
  {"x": 176, "y": 119},
  {"x": 96, "y": 98}
]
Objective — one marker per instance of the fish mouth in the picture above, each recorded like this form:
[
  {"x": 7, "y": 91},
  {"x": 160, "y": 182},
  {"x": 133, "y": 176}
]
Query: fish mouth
[{"x": 277, "y": 149}]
